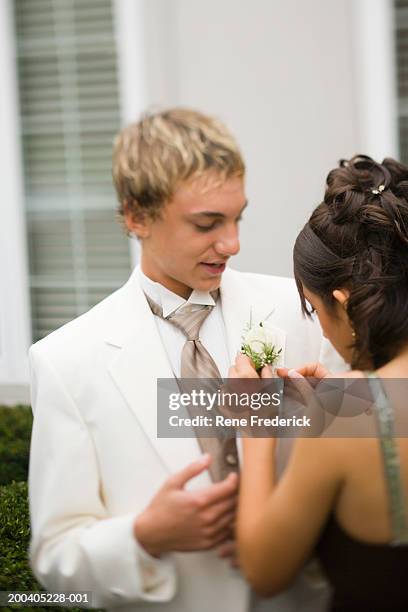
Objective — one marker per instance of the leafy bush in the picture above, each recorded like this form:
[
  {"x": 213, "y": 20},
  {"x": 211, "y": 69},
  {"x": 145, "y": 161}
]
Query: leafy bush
[
  {"x": 15, "y": 433},
  {"x": 14, "y": 537},
  {"x": 15, "y": 572}
]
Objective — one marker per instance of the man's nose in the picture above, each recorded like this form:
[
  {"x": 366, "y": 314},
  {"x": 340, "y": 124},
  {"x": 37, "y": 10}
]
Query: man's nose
[{"x": 228, "y": 244}]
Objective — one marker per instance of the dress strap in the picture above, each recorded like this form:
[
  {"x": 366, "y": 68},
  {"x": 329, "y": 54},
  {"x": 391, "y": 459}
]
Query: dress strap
[{"x": 391, "y": 461}]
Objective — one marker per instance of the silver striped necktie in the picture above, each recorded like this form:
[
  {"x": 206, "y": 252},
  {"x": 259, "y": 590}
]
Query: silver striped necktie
[{"x": 197, "y": 363}]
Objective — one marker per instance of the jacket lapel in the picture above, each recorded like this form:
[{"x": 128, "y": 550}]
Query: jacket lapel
[
  {"x": 239, "y": 302},
  {"x": 141, "y": 359}
]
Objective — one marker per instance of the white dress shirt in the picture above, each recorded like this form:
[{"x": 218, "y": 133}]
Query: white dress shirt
[{"x": 212, "y": 332}]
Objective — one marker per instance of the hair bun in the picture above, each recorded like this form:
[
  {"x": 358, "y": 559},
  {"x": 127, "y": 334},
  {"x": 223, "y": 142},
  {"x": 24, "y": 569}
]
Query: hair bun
[{"x": 375, "y": 196}]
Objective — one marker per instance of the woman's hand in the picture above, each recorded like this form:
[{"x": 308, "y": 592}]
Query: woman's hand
[
  {"x": 300, "y": 389},
  {"x": 244, "y": 368},
  {"x": 240, "y": 375},
  {"x": 309, "y": 370}
]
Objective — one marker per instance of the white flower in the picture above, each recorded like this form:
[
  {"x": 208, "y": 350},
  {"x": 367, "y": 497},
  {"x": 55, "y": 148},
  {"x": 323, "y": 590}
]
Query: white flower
[
  {"x": 257, "y": 337},
  {"x": 258, "y": 344}
]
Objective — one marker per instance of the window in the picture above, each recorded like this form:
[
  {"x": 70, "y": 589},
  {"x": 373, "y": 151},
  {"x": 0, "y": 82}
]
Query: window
[
  {"x": 401, "y": 21},
  {"x": 69, "y": 104}
]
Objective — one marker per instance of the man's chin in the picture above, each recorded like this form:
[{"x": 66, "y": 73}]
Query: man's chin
[{"x": 208, "y": 284}]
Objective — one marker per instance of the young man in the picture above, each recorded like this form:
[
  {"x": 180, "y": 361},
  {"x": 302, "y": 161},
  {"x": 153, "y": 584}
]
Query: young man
[{"x": 137, "y": 520}]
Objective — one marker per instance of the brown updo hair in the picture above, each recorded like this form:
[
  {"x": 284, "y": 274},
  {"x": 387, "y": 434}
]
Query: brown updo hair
[{"x": 357, "y": 238}]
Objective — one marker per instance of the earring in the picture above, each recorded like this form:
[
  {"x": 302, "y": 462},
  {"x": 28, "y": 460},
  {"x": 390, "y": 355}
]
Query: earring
[{"x": 353, "y": 333}]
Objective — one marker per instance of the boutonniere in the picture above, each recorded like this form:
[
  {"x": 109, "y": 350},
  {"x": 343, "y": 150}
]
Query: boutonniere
[{"x": 258, "y": 344}]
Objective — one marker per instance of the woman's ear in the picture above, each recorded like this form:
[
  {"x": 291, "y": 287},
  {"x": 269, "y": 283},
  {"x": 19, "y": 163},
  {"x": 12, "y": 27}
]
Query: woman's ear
[{"x": 341, "y": 296}]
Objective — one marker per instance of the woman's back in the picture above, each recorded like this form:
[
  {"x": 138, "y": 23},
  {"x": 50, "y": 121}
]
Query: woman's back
[
  {"x": 358, "y": 548},
  {"x": 363, "y": 505}
]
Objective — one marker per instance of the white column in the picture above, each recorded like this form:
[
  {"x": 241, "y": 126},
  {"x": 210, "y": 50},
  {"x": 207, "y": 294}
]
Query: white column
[
  {"x": 375, "y": 77},
  {"x": 129, "y": 18},
  {"x": 15, "y": 334}
]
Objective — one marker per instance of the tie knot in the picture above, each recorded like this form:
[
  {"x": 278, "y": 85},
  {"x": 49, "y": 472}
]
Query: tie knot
[{"x": 189, "y": 319}]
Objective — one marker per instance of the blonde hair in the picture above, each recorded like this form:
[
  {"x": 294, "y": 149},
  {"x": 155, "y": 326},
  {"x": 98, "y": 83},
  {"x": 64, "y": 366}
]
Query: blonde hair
[{"x": 153, "y": 156}]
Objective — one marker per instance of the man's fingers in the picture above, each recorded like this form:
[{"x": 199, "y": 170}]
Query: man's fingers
[
  {"x": 220, "y": 490},
  {"x": 225, "y": 523},
  {"x": 216, "y": 513},
  {"x": 228, "y": 549},
  {"x": 217, "y": 540},
  {"x": 181, "y": 478},
  {"x": 219, "y": 508}
]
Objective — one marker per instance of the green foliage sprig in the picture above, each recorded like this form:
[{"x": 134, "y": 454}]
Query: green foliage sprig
[{"x": 269, "y": 356}]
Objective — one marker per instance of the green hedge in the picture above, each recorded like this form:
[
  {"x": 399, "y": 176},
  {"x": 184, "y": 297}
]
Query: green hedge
[
  {"x": 15, "y": 433},
  {"x": 15, "y": 573}
]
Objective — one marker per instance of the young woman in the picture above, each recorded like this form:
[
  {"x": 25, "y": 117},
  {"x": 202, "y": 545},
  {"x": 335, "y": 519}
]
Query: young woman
[{"x": 344, "y": 499}]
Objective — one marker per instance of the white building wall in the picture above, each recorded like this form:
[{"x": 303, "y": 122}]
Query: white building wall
[
  {"x": 375, "y": 77},
  {"x": 282, "y": 75},
  {"x": 130, "y": 18},
  {"x": 15, "y": 335}
]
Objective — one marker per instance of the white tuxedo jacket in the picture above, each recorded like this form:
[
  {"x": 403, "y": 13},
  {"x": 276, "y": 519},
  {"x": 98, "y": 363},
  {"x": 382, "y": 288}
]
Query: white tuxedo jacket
[{"x": 96, "y": 460}]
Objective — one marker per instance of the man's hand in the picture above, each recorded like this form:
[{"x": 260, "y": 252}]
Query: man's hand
[
  {"x": 229, "y": 550},
  {"x": 178, "y": 520}
]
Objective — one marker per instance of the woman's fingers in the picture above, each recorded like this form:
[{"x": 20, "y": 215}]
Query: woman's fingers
[
  {"x": 232, "y": 372},
  {"x": 314, "y": 370},
  {"x": 267, "y": 372},
  {"x": 309, "y": 370},
  {"x": 244, "y": 367}
]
